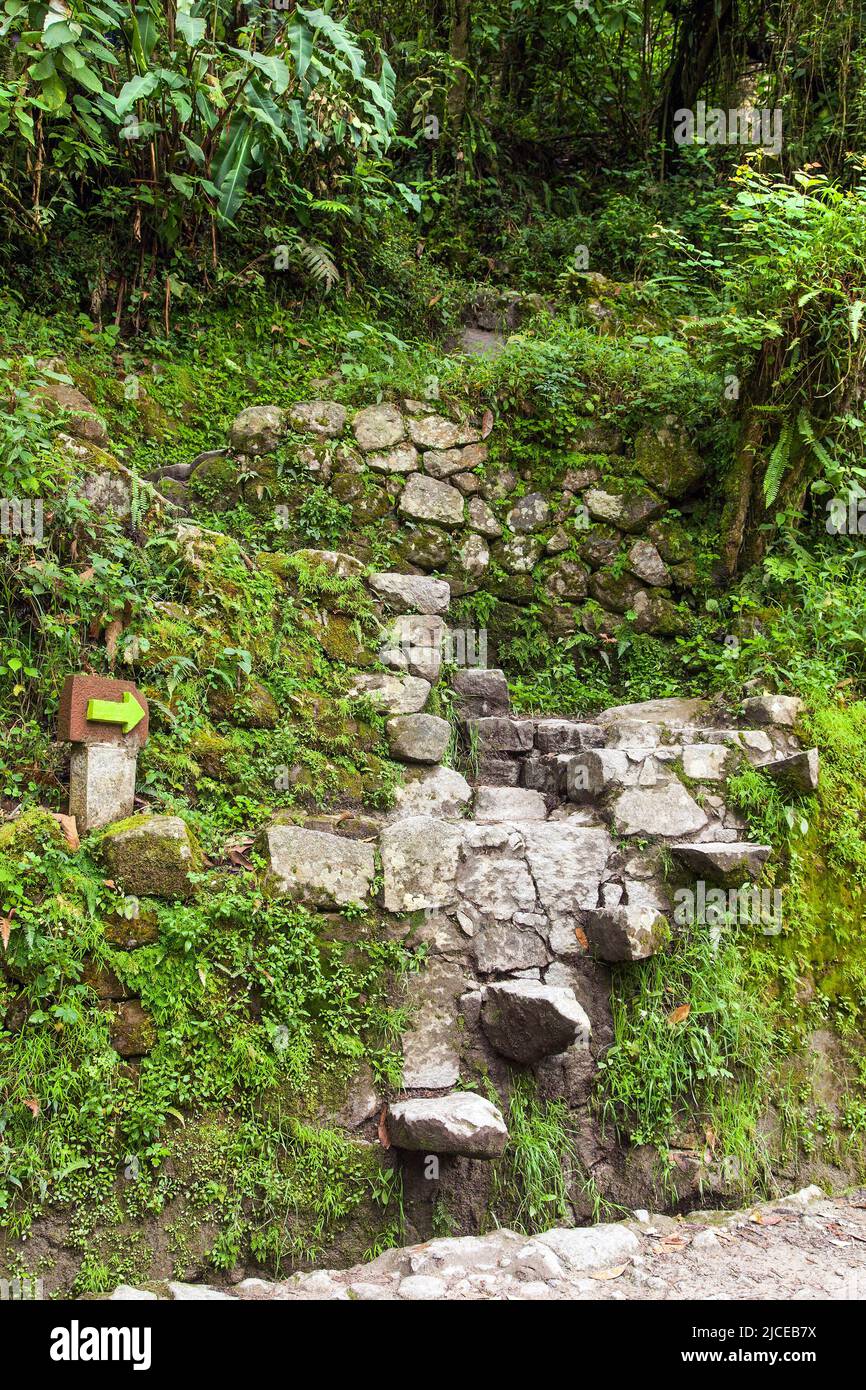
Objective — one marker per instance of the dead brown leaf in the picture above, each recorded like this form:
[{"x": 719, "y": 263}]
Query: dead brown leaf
[
  {"x": 486, "y": 423},
  {"x": 69, "y": 827},
  {"x": 5, "y": 926},
  {"x": 382, "y": 1129},
  {"x": 613, "y": 1273},
  {"x": 112, "y": 632}
]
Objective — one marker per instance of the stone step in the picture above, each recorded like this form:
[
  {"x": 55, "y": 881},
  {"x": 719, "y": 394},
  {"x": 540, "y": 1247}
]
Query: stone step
[
  {"x": 723, "y": 862},
  {"x": 462, "y": 1123}
]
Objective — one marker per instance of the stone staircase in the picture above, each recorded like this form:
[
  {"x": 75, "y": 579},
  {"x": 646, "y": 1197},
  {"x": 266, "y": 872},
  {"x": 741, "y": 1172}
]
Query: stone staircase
[{"x": 559, "y": 857}]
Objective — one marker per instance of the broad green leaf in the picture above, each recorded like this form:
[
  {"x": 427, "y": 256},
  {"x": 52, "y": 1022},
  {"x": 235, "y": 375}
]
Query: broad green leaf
[
  {"x": 273, "y": 67},
  {"x": 340, "y": 38},
  {"x": 234, "y": 170},
  {"x": 301, "y": 47},
  {"x": 133, "y": 91}
]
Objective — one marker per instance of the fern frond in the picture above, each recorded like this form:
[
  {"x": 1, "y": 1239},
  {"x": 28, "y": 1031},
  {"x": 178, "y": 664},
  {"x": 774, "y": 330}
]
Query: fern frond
[
  {"x": 319, "y": 264},
  {"x": 778, "y": 464}
]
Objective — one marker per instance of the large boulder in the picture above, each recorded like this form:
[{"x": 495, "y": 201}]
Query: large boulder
[
  {"x": 316, "y": 868},
  {"x": 525, "y": 1020},
  {"x": 258, "y": 429},
  {"x": 419, "y": 856},
  {"x": 378, "y": 427},
  {"x": 462, "y": 1123},
  {"x": 425, "y": 499},
  {"x": 418, "y": 738},
  {"x": 152, "y": 856}
]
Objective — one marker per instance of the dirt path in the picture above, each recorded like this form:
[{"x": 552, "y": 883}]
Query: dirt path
[{"x": 806, "y": 1246}]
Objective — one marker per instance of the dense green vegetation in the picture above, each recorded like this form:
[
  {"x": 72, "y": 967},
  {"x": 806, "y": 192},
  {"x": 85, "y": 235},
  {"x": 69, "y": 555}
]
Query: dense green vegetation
[{"x": 206, "y": 207}]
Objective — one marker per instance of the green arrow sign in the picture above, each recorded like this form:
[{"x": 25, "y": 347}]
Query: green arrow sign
[{"x": 126, "y": 712}]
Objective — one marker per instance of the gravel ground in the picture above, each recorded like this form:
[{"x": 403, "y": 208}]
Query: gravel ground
[{"x": 806, "y": 1246}]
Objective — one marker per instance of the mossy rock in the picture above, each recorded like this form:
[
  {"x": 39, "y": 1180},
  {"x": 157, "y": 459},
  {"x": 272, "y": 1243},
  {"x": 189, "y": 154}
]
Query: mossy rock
[
  {"x": 617, "y": 592},
  {"x": 219, "y": 483},
  {"x": 154, "y": 420},
  {"x": 664, "y": 456},
  {"x": 426, "y": 546},
  {"x": 254, "y": 707},
  {"x": 339, "y": 641},
  {"x": 152, "y": 856},
  {"x": 128, "y": 933},
  {"x": 598, "y": 545},
  {"x": 672, "y": 541},
  {"x": 212, "y": 751},
  {"x": 516, "y": 588},
  {"x": 32, "y": 831},
  {"x": 131, "y": 1029}
]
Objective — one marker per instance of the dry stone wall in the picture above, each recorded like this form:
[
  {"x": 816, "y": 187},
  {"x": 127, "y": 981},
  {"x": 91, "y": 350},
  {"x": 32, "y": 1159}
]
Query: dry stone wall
[{"x": 592, "y": 539}]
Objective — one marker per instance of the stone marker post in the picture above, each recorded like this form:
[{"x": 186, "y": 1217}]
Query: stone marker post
[{"x": 106, "y": 721}]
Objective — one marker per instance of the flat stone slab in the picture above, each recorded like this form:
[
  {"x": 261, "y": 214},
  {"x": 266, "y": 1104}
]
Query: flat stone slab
[
  {"x": 672, "y": 714},
  {"x": 419, "y": 863},
  {"x": 725, "y": 862},
  {"x": 316, "y": 868},
  {"x": 493, "y": 804},
  {"x": 431, "y": 1044},
  {"x": 667, "y": 811},
  {"x": 412, "y": 593},
  {"x": 462, "y": 1123},
  {"x": 782, "y": 710}
]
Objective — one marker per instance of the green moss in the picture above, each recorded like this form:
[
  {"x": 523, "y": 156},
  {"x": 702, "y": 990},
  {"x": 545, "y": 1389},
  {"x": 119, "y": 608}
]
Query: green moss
[
  {"x": 150, "y": 861},
  {"x": 30, "y": 832}
]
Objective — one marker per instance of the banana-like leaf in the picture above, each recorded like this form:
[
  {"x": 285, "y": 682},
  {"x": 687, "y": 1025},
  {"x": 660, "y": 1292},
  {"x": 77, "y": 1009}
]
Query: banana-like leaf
[
  {"x": 234, "y": 169},
  {"x": 339, "y": 36}
]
